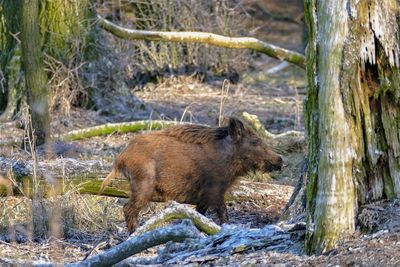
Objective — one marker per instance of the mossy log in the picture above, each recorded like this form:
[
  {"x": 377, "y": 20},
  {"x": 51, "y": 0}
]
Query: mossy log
[
  {"x": 206, "y": 38},
  {"x": 86, "y": 176},
  {"x": 103, "y": 129},
  {"x": 123, "y": 127}
]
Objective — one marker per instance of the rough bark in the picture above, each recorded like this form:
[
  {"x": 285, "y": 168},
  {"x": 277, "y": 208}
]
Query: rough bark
[
  {"x": 36, "y": 80},
  {"x": 352, "y": 113},
  {"x": 207, "y": 38},
  {"x": 61, "y": 24}
]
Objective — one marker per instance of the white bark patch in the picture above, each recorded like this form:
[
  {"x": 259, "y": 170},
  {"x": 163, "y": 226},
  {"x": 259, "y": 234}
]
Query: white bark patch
[
  {"x": 335, "y": 201},
  {"x": 378, "y": 23}
]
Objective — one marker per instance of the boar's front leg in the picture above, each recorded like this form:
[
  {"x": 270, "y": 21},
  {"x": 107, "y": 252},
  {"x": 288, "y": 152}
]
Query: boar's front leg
[
  {"x": 202, "y": 208},
  {"x": 221, "y": 210},
  {"x": 222, "y": 213}
]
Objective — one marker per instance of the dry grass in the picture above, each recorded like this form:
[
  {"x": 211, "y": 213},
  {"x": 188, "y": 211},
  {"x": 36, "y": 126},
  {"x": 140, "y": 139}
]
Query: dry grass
[
  {"x": 158, "y": 59},
  {"x": 67, "y": 86},
  {"x": 72, "y": 213}
]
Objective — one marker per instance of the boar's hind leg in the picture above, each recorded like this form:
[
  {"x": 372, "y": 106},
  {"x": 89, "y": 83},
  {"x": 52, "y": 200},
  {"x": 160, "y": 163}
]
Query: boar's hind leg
[
  {"x": 131, "y": 212},
  {"x": 141, "y": 191}
]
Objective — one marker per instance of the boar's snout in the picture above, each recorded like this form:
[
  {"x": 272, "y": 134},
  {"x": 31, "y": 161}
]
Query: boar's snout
[{"x": 275, "y": 162}]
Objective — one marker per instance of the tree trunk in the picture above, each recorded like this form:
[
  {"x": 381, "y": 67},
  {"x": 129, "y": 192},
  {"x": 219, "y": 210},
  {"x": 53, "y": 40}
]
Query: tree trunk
[
  {"x": 352, "y": 113},
  {"x": 65, "y": 28},
  {"x": 9, "y": 57},
  {"x": 36, "y": 80},
  {"x": 64, "y": 35}
]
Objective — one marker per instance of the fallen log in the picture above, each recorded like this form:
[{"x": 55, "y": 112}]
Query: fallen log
[
  {"x": 137, "y": 244},
  {"x": 123, "y": 127},
  {"x": 86, "y": 176},
  {"x": 104, "y": 129},
  {"x": 230, "y": 240},
  {"x": 189, "y": 246}
]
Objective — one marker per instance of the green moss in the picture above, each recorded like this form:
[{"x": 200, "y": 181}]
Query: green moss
[
  {"x": 62, "y": 23},
  {"x": 92, "y": 187},
  {"x": 311, "y": 117},
  {"x": 178, "y": 216},
  {"x": 84, "y": 184},
  {"x": 110, "y": 128}
]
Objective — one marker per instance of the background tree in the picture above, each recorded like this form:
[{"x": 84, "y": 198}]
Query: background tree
[
  {"x": 352, "y": 113},
  {"x": 36, "y": 80},
  {"x": 64, "y": 40},
  {"x": 9, "y": 49}
]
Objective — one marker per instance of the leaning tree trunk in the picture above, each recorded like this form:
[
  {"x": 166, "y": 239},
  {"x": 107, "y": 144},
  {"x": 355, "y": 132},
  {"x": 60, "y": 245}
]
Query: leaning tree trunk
[
  {"x": 352, "y": 113},
  {"x": 36, "y": 80}
]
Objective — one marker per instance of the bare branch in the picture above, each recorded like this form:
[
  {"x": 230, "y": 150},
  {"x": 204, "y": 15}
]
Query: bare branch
[
  {"x": 137, "y": 244},
  {"x": 205, "y": 38}
]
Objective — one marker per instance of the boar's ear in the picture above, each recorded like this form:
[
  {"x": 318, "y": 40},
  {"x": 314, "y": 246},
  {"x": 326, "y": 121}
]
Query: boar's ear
[{"x": 236, "y": 129}]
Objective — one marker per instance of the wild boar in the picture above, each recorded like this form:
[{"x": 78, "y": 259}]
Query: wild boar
[{"x": 191, "y": 164}]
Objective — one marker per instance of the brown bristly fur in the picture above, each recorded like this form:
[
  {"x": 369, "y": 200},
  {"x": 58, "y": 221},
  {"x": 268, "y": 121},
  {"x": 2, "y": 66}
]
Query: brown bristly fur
[
  {"x": 196, "y": 134},
  {"x": 191, "y": 164}
]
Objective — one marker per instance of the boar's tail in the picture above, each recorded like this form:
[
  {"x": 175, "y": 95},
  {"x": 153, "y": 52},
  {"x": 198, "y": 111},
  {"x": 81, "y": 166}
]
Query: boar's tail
[{"x": 107, "y": 180}]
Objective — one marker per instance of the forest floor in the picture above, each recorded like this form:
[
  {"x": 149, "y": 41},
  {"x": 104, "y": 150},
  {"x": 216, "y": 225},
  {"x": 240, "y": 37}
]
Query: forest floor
[{"x": 92, "y": 224}]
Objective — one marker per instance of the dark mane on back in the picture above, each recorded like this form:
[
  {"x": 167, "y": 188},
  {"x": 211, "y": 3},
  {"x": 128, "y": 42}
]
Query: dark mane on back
[{"x": 197, "y": 134}]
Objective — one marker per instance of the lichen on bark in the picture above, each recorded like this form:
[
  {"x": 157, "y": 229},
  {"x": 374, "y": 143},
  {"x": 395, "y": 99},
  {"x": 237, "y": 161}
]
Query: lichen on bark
[{"x": 352, "y": 113}]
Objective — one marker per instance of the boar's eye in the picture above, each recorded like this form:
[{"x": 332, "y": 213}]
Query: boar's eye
[{"x": 255, "y": 142}]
